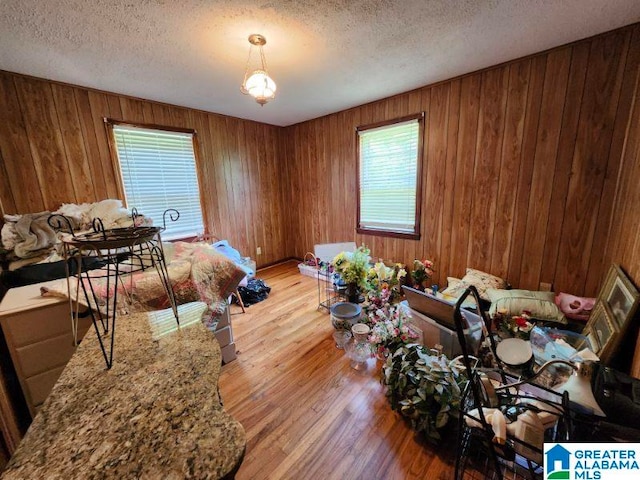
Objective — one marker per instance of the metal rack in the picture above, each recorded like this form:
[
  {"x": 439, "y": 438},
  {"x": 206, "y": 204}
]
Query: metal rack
[
  {"x": 329, "y": 293},
  {"x": 478, "y": 456},
  {"x": 118, "y": 253}
]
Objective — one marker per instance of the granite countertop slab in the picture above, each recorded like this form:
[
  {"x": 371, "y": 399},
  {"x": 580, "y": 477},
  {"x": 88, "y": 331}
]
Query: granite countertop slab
[{"x": 156, "y": 414}]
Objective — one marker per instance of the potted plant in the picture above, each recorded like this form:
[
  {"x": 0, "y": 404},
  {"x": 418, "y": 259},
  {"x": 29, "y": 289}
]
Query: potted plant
[
  {"x": 352, "y": 267},
  {"x": 424, "y": 388},
  {"x": 422, "y": 271}
]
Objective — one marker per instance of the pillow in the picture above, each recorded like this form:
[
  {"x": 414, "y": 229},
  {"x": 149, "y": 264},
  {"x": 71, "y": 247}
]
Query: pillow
[
  {"x": 575, "y": 308},
  {"x": 541, "y": 304},
  {"x": 483, "y": 281},
  {"x": 454, "y": 289}
]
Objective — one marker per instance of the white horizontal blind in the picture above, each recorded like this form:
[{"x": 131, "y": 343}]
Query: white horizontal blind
[
  {"x": 159, "y": 172},
  {"x": 389, "y": 177}
]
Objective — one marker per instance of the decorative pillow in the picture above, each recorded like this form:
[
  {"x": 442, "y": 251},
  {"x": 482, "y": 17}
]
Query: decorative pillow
[
  {"x": 454, "y": 289},
  {"x": 575, "y": 308},
  {"x": 483, "y": 281},
  {"x": 540, "y": 304}
]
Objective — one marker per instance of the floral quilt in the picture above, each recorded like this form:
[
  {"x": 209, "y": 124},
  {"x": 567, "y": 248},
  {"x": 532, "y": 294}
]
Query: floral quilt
[{"x": 196, "y": 272}]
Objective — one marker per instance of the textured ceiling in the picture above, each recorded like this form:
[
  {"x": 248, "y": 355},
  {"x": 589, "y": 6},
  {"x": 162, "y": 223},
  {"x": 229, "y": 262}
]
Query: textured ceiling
[{"x": 325, "y": 55}]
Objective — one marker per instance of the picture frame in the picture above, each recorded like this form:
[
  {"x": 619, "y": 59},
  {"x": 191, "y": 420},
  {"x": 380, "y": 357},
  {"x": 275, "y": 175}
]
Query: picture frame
[
  {"x": 601, "y": 330},
  {"x": 620, "y": 296},
  {"x": 613, "y": 312}
]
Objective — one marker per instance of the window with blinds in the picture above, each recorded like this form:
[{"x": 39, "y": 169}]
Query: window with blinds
[
  {"x": 158, "y": 170},
  {"x": 389, "y": 178}
]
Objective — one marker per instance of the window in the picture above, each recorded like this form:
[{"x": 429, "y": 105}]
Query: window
[
  {"x": 389, "y": 177},
  {"x": 158, "y": 170}
]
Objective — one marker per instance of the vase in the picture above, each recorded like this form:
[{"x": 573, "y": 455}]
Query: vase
[
  {"x": 353, "y": 293},
  {"x": 341, "y": 337},
  {"x": 359, "y": 349},
  {"x": 344, "y": 315}
]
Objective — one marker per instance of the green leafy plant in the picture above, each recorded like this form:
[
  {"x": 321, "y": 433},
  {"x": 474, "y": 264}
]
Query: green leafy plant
[
  {"x": 422, "y": 387},
  {"x": 353, "y": 266}
]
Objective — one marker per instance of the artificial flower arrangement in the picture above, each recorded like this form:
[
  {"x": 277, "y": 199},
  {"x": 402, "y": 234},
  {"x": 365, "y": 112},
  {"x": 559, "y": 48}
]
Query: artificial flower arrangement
[
  {"x": 518, "y": 326},
  {"x": 422, "y": 271},
  {"x": 381, "y": 278},
  {"x": 353, "y": 266},
  {"x": 389, "y": 329}
]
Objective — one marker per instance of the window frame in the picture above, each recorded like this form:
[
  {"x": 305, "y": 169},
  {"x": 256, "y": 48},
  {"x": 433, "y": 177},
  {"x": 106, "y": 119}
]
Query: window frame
[
  {"x": 415, "y": 235},
  {"x": 117, "y": 168}
]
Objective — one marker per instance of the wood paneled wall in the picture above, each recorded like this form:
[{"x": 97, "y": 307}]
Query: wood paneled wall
[
  {"x": 623, "y": 242},
  {"x": 54, "y": 149},
  {"x": 520, "y": 167}
]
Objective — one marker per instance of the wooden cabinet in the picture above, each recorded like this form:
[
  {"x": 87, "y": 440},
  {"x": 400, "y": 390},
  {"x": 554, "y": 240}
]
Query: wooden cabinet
[{"x": 38, "y": 333}]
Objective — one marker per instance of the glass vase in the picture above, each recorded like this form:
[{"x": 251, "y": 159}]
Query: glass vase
[
  {"x": 359, "y": 349},
  {"x": 341, "y": 337}
]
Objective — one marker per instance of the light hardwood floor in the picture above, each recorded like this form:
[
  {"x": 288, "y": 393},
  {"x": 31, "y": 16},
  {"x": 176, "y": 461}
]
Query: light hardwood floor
[{"x": 307, "y": 414}]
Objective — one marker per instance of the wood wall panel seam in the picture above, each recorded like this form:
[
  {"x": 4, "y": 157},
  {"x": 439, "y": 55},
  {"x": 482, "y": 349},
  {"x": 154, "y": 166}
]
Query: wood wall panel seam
[{"x": 7, "y": 202}]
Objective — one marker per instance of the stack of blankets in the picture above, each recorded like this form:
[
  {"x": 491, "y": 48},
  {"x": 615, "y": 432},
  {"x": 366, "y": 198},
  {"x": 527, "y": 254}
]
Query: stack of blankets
[{"x": 30, "y": 239}]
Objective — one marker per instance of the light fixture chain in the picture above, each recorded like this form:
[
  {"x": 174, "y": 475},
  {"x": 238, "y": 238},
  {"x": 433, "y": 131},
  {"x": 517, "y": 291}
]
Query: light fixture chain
[
  {"x": 263, "y": 59},
  {"x": 246, "y": 67}
]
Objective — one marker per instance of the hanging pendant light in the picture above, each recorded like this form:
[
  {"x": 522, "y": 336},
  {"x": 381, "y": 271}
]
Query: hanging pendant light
[{"x": 258, "y": 83}]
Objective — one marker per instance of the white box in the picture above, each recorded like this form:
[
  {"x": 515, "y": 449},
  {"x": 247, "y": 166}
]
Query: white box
[{"x": 326, "y": 251}]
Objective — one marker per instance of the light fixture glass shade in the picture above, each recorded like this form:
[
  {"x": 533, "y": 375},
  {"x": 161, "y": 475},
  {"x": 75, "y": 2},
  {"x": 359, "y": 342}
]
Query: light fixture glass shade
[{"x": 260, "y": 86}]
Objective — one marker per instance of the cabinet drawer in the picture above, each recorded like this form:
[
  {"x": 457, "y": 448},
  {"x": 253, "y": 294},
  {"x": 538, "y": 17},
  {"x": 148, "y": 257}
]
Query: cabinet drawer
[
  {"x": 224, "y": 336},
  {"x": 42, "y": 356},
  {"x": 39, "y": 386},
  {"x": 33, "y": 326},
  {"x": 224, "y": 320}
]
